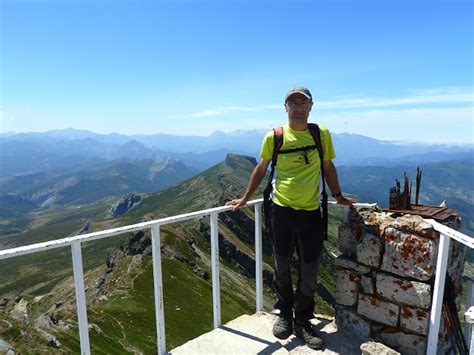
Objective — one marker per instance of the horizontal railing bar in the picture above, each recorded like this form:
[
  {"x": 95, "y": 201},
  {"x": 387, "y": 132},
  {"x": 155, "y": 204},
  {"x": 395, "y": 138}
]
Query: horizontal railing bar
[
  {"x": 460, "y": 237},
  {"x": 356, "y": 205},
  {"x": 58, "y": 243}
]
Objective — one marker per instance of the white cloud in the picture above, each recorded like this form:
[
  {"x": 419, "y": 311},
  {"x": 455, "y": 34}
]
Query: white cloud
[
  {"x": 433, "y": 96},
  {"x": 429, "y": 96},
  {"x": 437, "y": 125},
  {"x": 441, "y": 90},
  {"x": 218, "y": 111}
]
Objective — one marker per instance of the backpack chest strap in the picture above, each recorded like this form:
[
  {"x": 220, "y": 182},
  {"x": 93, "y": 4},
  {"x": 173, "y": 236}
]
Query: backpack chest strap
[
  {"x": 305, "y": 150},
  {"x": 300, "y": 149}
]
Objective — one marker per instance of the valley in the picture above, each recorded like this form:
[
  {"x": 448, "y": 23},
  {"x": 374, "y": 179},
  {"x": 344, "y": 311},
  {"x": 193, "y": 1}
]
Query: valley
[{"x": 37, "y": 307}]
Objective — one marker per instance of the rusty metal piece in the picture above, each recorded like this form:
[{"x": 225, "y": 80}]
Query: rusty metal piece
[
  {"x": 395, "y": 197},
  {"x": 409, "y": 194},
  {"x": 405, "y": 194},
  {"x": 418, "y": 184},
  {"x": 400, "y": 200},
  {"x": 440, "y": 214}
]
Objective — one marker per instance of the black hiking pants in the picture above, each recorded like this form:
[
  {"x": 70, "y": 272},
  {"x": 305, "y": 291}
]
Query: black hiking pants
[{"x": 302, "y": 230}]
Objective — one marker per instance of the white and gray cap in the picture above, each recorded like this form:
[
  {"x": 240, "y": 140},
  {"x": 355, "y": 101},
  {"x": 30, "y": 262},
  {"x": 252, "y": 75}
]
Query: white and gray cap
[{"x": 299, "y": 90}]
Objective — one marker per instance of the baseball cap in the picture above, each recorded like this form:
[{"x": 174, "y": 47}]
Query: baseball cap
[{"x": 299, "y": 90}]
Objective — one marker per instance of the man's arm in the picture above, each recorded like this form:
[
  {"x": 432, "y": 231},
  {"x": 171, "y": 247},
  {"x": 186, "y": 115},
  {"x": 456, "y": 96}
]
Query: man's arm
[
  {"x": 254, "y": 182},
  {"x": 330, "y": 174}
]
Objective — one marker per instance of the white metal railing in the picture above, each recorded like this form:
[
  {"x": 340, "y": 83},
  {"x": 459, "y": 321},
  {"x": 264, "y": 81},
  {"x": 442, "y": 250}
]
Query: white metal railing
[
  {"x": 446, "y": 234},
  {"x": 469, "y": 314},
  {"x": 76, "y": 251},
  {"x": 75, "y": 242}
]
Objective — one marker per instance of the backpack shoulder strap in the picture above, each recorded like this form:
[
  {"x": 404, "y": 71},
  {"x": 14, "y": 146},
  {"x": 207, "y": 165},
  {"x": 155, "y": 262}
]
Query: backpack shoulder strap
[
  {"x": 277, "y": 144},
  {"x": 315, "y": 132}
]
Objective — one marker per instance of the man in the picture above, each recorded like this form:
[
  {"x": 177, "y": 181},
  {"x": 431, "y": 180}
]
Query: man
[{"x": 295, "y": 214}]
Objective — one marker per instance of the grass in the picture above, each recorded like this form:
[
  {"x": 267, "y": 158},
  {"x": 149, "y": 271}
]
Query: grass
[
  {"x": 48, "y": 267},
  {"x": 127, "y": 321},
  {"x": 24, "y": 341}
]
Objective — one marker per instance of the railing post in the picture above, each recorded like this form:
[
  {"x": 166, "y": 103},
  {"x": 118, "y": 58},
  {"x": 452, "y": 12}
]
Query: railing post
[
  {"x": 216, "y": 292},
  {"x": 469, "y": 302},
  {"x": 346, "y": 214},
  {"x": 158, "y": 288},
  {"x": 436, "y": 307},
  {"x": 258, "y": 258},
  {"x": 80, "y": 297},
  {"x": 469, "y": 318}
]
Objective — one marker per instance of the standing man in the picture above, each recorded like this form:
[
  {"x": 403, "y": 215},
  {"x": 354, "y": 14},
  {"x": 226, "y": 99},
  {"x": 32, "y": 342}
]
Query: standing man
[{"x": 295, "y": 214}]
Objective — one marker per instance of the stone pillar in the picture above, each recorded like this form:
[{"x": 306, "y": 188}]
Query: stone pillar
[{"x": 385, "y": 278}]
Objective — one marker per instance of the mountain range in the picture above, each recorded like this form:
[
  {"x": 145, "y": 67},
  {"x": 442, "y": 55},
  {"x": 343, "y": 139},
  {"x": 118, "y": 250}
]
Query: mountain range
[
  {"x": 51, "y": 149},
  {"x": 36, "y": 291},
  {"x": 72, "y": 167}
]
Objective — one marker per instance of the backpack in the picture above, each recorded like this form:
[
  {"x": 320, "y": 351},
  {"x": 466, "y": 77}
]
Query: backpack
[{"x": 278, "y": 143}]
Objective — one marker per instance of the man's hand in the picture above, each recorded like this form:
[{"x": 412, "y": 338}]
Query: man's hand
[
  {"x": 237, "y": 203},
  {"x": 341, "y": 200},
  {"x": 256, "y": 178}
]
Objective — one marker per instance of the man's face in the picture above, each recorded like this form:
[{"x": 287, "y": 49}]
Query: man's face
[{"x": 298, "y": 107}]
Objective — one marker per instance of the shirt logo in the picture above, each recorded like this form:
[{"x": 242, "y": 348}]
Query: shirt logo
[{"x": 302, "y": 159}]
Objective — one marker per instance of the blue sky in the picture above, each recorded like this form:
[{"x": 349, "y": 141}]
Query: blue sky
[{"x": 397, "y": 70}]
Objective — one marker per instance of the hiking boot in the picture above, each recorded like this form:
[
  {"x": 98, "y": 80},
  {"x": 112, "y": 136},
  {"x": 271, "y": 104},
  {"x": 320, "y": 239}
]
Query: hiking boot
[
  {"x": 283, "y": 327},
  {"x": 305, "y": 332}
]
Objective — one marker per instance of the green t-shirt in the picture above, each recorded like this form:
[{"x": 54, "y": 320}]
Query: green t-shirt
[{"x": 295, "y": 183}]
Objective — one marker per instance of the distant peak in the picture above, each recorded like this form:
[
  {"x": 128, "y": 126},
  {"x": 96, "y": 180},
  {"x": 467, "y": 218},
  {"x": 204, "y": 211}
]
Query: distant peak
[{"x": 218, "y": 134}]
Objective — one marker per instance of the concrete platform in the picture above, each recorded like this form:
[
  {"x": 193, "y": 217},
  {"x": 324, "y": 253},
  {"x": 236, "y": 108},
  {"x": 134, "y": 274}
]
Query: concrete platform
[{"x": 253, "y": 335}]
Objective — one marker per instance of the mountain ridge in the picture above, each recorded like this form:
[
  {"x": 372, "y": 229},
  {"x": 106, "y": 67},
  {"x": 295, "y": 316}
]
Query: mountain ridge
[
  {"x": 119, "y": 286},
  {"x": 75, "y": 134}
]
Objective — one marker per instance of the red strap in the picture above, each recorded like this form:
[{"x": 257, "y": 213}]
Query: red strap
[{"x": 278, "y": 134}]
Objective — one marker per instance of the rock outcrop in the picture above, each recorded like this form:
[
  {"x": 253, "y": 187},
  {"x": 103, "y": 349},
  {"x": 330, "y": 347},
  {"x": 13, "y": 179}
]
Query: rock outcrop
[
  {"x": 229, "y": 252},
  {"x": 124, "y": 205}
]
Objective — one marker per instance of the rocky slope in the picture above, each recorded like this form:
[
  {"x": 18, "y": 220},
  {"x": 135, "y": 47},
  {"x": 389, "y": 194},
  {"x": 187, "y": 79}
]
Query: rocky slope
[
  {"x": 31, "y": 318},
  {"x": 38, "y": 307}
]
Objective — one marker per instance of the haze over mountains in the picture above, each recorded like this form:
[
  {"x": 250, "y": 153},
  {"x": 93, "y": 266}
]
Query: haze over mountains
[
  {"x": 53, "y": 187},
  {"x": 73, "y": 167},
  {"x": 202, "y": 152}
]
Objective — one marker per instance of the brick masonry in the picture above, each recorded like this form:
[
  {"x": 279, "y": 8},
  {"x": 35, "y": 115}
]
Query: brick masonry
[
  {"x": 403, "y": 291},
  {"x": 347, "y": 284},
  {"x": 384, "y": 278}
]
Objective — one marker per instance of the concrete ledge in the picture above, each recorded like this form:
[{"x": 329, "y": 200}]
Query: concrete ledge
[{"x": 252, "y": 334}]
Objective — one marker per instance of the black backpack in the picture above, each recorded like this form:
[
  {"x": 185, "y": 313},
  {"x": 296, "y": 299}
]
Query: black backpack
[{"x": 278, "y": 142}]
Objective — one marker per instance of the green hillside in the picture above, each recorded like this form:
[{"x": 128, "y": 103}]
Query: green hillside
[
  {"x": 118, "y": 271},
  {"x": 13, "y": 210},
  {"x": 24, "y": 193},
  {"x": 121, "y": 308}
]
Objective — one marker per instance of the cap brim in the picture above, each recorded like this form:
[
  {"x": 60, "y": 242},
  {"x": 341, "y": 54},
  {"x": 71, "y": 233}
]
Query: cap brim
[{"x": 297, "y": 92}]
